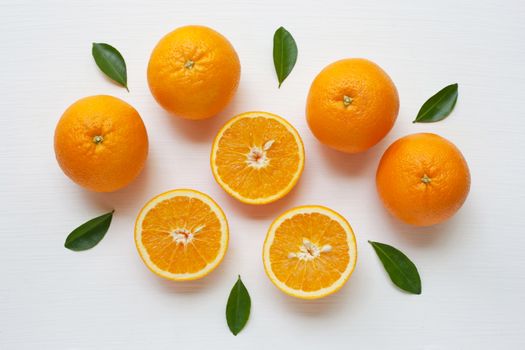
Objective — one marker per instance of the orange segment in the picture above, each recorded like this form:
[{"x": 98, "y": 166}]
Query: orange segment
[
  {"x": 309, "y": 252},
  {"x": 181, "y": 234},
  {"x": 257, "y": 157}
]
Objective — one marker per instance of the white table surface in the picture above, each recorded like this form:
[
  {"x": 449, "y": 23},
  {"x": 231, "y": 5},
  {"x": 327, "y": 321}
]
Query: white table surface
[{"x": 472, "y": 267}]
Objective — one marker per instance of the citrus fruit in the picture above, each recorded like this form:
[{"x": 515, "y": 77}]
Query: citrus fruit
[
  {"x": 193, "y": 72},
  {"x": 257, "y": 157},
  {"x": 181, "y": 234},
  {"x": 352, "y": 105},
  {"x": 423, "y": 179},
  {"x": 309, "y": 252},
  {"x": 101, "y": 143}
]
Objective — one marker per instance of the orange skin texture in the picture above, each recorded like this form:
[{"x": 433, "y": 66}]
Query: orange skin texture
[
  {"x": 408, "y": 194},
  {"x": 112, "y": 163},
  {"x": 366, "y": 120},
  {"x": 202, "y": 90}
]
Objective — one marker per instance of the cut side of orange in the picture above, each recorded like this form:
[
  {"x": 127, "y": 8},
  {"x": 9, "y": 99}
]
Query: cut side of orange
[
  {"x": 181, "y": 234},
  {"x": 257, "y": 157},
  {"x": 309, "y": 252}
]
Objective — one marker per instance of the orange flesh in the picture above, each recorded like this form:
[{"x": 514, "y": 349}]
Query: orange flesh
[
  {"x": 235, "y": 146},
  {"x": 320, "y": 272},
  {"x": 175, "y": 215}
]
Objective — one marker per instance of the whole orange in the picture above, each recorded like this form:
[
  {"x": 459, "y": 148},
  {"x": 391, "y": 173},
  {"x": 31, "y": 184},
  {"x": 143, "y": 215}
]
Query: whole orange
[
  {"x": 423, "y": 179},
  {"x": 352, "y": 105},
  {"x": 193, "y": 72},
  {"x": 101, "y": 143}
]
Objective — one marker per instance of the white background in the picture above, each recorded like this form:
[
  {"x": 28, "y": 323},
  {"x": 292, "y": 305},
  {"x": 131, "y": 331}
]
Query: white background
[{"x": 472, "y": 267}]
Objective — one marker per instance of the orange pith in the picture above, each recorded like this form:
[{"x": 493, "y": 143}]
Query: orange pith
[
  {"x": 423, "y": 179},
  {"x": 309, "y": 252},
  {"x": 257, "y": 157},
  {"x": 193, "y": 72},
  {"x": 181, "y": 234}
]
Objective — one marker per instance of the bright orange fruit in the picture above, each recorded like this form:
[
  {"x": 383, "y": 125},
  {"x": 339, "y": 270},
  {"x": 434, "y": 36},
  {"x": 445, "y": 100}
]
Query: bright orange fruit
[
  {"x": 423, "y": 179},
  {"x": 352, "y": 105},
  {"x": 193, "y": 72},
  {"x": 101, "y": 143},
  {"x": 257, "y": 157},
  {"x": 309, "y": 252},
  {"x": 181, "y": 234}
]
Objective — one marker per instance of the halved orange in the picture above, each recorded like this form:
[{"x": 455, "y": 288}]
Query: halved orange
[
  {"x": 257, "y": 157},
  {"x": 181, "y": 234},
  {"x": 309, "y": 252}
]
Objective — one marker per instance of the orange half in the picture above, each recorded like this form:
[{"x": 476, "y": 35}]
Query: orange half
[
  {"x": 257, "y": 157},
  {"x": 181, "y": 234},
  {"x": 309, "y": 252}
]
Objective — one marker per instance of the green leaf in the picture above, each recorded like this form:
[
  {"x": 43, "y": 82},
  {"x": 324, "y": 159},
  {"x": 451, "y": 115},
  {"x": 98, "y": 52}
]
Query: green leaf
[
  {"x": 111, "y": 63},
  {"x": 439, "y": 106},
  {"x": 238, "y": 307},
  {"x": 284, "y": 53},
  {"x": 88, "y": 234},
  {"x": 401, "y": 270}
]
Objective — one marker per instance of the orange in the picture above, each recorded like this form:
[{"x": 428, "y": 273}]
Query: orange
[
  {"x": 257, "y": 157},
  {"x": 181, "y": 234},
  {"x": 309, "y": 252},
  {"x": 423, "y": 179},
  {"x": 352, "y": 105},
  {"x": 101, "y": 143},
  {"x": 193, "y": 72}
]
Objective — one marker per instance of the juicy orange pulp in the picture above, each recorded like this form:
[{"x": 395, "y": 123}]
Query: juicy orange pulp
[
  {"x": 257, "y": 157},
  {"x": 181, "y": 234},
  {"x": 310, "y": 252}
]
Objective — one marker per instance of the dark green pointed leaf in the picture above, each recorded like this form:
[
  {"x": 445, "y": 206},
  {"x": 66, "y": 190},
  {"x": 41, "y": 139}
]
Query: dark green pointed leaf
[
  {"x": 439, "y": 106},
  {"x": 88, "y": 234},
  {"x": 284, "y": 53},
  {"x": 238, "y": 307},
  {"x": 401, "y": 270},
  {"x": 111, "y": 63}
]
